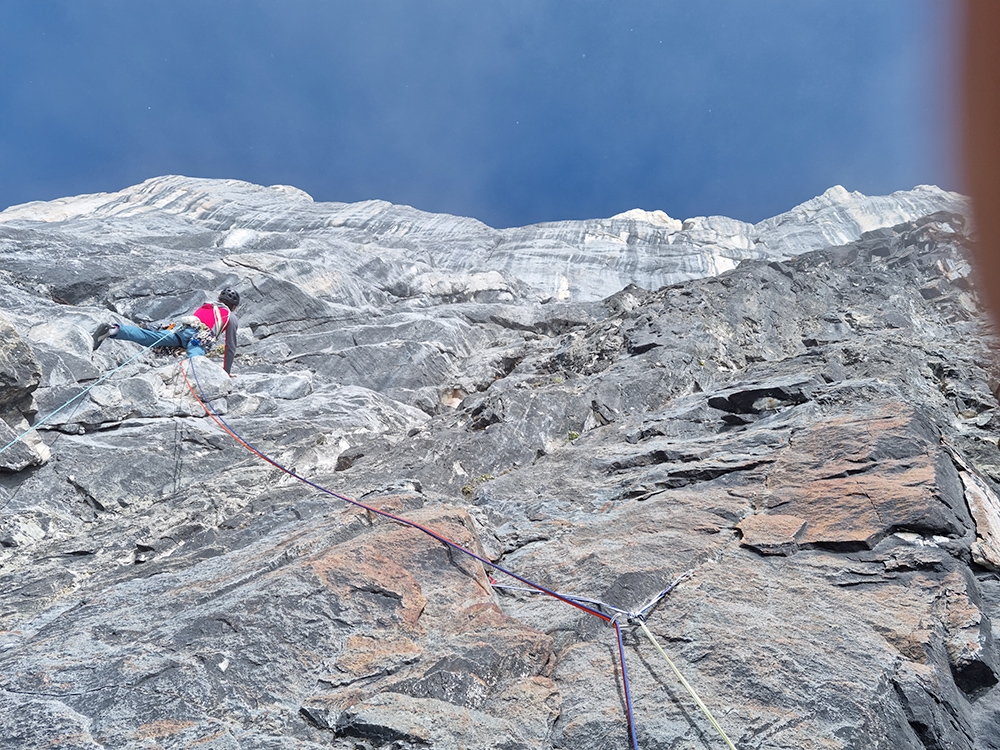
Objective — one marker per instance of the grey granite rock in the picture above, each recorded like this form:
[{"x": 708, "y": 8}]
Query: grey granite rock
[
  {"x": 812, "y": 434},
  {"x": 20, "y": 375}
]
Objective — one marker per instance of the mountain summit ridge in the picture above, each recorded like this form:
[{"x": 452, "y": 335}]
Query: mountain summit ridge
[{"x": 568, "y": 260}]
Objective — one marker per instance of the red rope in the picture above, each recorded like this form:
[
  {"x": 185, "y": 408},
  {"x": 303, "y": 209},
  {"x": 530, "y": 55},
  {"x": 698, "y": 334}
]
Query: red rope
[
  {"x": 378, "y": 511},
  {"x": 430, "y": 532}
]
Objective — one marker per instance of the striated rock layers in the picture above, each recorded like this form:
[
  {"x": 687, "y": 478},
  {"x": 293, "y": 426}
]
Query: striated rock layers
[
  {"x": 358, "y": 253},
  {"x": 812, "y": 435}
]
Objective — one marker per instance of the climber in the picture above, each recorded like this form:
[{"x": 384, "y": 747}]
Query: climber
[{"x": 197, "y": 333}]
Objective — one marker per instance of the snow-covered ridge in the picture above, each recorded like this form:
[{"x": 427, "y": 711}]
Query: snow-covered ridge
[{"x": 578, "y": 260}]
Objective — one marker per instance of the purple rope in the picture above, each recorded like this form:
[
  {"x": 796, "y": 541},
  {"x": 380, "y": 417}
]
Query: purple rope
[{"x": 625, "y": 686}]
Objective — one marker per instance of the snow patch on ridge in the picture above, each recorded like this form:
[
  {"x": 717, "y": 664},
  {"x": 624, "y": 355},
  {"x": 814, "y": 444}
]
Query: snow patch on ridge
[
  {"x": 656, "y": 218},
  {"x": 237, "y": 238}
]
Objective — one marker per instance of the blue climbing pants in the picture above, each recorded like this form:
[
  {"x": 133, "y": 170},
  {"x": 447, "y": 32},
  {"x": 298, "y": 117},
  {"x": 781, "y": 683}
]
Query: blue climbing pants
[{"x": 183, "y": 339}]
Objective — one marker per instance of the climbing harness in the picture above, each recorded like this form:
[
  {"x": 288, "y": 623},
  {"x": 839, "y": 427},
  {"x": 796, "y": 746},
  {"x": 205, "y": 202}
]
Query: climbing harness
[
  {"x": 168, "y": 351},
  {"x": 202, "y": 337},
  {"x": 590, "y": 606},
  {"x": 81, "y": 394}
]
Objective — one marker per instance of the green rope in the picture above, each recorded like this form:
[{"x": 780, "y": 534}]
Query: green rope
[
  {"x": 701, "y": 705},
  {"x": 82, "y": 393}
]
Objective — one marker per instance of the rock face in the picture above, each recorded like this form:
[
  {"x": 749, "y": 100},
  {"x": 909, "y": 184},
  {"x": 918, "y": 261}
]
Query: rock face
[{"x": 812, "y": 435}]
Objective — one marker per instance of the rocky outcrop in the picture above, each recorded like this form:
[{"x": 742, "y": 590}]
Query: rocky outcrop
[
  {"x": 20, "y": 374},
  {"x": 812, "y": 436}
]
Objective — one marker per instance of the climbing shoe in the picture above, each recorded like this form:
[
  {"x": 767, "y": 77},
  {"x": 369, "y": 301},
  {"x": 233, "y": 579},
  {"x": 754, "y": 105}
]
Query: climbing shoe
[{"x": 104, "y": 330}]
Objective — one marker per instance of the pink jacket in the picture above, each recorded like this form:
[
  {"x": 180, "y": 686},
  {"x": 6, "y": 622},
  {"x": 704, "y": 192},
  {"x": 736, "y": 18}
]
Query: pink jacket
[{"x": 207, "y": 314}]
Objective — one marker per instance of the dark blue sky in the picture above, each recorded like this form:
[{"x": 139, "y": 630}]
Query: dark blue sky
[{"x": 511, "y": 111}]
